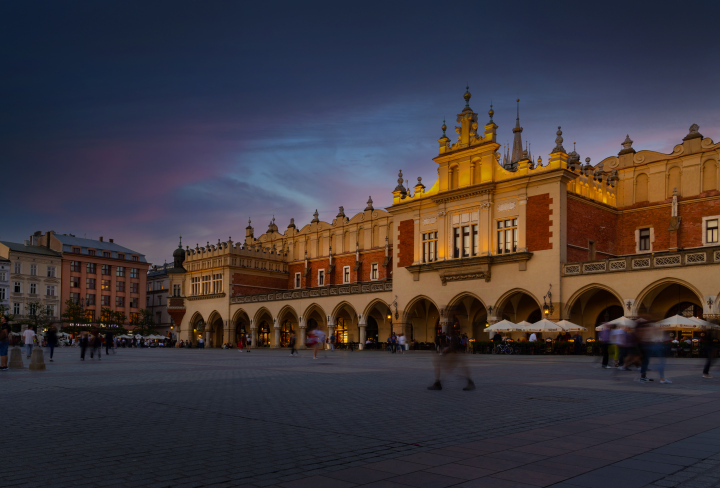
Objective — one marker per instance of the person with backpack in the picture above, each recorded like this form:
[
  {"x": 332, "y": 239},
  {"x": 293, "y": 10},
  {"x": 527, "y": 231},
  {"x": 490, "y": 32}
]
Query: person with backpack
[
  {"x": 52, "y": 339},
  {"x": 4, "y": 342}
]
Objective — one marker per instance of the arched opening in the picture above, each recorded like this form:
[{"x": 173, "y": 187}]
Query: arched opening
[
  {"x": 263, "y": 328},
  {"x": 518, "y": 306},
  {"x": 242, "y": 325},
  {"x": 378, "y": 322},
  {"x": 592, "y": 306},
  {"x": 346, "y": 321},
  {"x": 667, "y": 298},
  {"x": 288, "y": 323},
  {"x": 214, "y": 331},
  {"x": 263, "y": 334},
  {"x": 372, "y": 331},
  {"x": 468, "y": 316},
  {"x": 315, "y": 317},
  {"x": 709, "y": 175},
  {"x": 423, "y": 317},
  {"x": 197, "y": 328},
  {"x": 341, "y": 331}
]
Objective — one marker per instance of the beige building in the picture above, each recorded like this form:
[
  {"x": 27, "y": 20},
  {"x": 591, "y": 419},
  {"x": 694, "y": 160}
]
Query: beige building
[
  {"x": 495, "y": 237},
  {"x": 34, "y": 279}
]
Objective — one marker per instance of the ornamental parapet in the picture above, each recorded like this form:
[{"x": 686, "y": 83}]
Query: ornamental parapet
[
  {"x": 461, "y": 269},
  {"x": 206, "y": 297},
  {"x": 639, "y": 262},
  {"x": 323, "y": 291}
]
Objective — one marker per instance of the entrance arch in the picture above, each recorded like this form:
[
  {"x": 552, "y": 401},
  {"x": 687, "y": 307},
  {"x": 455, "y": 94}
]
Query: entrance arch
[
  {"x": 423, "y": 316},
  {"x": 197, "y": 327},
  {"x": 668, "y": 297},
  {"x": 242, "y": 324},
  {"x": 467, "y": 314},
  {"x": 315, "y": 315},
  {"x": 345, "y": 319},
  {"x": 214, "y": 330},
  {"x": 518, "y": 305},
  {"x": 593, "y": 305},
  {"x": 263, "y": 322},
  {"x": 288, "y": 323}
]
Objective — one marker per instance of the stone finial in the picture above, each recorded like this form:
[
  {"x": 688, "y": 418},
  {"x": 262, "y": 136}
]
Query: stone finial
[
  {"x": 444, "y": 128},
  {"x": 316, "y": 216},
  {"x": 419, "y": 187},
  {"x": 693, "y": 134},
  {"x": 341, "y": 212},
  {"x": 369, "y": 204},
  {"x": 627, "y": 146},
  {"x": 292, "y": 224},
  {"x": 249, "y": 226},
  {"x": 539, "y": 161},
  {"x": 558, "y": 141},
  {"x": 613, "y": 178},
  {"x": 598, "y": 173},
  {"x": 491, "y": 112},
  {"x": 467, "y": 96},
  {"x": 400, "y": 181},
  {"x": 586, "y": 169}
]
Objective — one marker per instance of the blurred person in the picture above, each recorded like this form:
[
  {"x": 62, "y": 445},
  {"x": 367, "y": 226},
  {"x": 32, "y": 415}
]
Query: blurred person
[
  {"x": 52, "y": 339},
  {"x": 533, "y": 337},
  {"x": 650, "y": 339},
  {"x": 604, "y": 338},
  {"x": 402, "y": 342},
  {"x": 331, "y": 341},
  {"x": 450, "y": 360},
  {"x": 84, "y": 340},
  {"x": 95, "y": 342},
  {"x": 109, "y": 343},
  {"x": 616, "y": 341},
  {"x": 4, "y": 342},
  {"x": 710, "y": 347},
  {"x": 29, "y": 338},
  {"x": 293, "y": 341},
  {"x": 315, "y": 339}
]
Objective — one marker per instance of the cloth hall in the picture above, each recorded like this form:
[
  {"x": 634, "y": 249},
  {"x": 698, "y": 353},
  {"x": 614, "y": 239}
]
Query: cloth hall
[{"x": 496, "y": 236}]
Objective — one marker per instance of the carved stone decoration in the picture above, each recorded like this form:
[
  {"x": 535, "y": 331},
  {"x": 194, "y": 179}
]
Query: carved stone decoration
[
  {"x": 429, "y": 220},
  {"x": 627, "y": 146},
  {"x": 504, "y": 207},
  {"x": 558, "y": 142},
  {"x": 481, "y": 272},
  {"x": 693, "y": 134}
]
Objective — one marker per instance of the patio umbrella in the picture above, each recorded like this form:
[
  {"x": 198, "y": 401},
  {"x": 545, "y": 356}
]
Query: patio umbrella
[
  {"x": 620, "y": 322},
  {"x": 705, "y": 323},
  {"x": 570, "y": 327},
  {"x": 523, "y": 325},
  {"x": 680, "y": 322},
  {"x": 544, "y": 325},
  {"x": 502, "y": 326}
]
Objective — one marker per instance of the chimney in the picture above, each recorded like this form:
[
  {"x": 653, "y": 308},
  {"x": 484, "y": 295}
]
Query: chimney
[
  {"x": 101, "y": 238},
  {"x": 111, "y": 241},
  {"x": 27, "y": 243}
]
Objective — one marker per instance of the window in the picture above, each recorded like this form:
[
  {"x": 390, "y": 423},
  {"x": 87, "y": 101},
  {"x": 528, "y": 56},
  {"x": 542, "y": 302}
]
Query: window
[
  {"x": 33, "y": 288},
  {"x": 76, "y": 250},
  {"x": 91, "y": 268},
  {"x": 3, "y": 295},
  {"x": 465, "y": 239},
  {"x": 346, "y": 274},
  {"x": 297, "y": 280},
  {"x": 134, "y": 317},
  {"x": 119, "y": 301},
  {"x": 121, "y": 256},
  {"x": 90, "y": 299},
  {"x": 90, "y": 283},
  {"x": 429, "y": 247},
  {"x": 507, "y": 236},
  {"x": 16, "y": 308},
  {"x": 75, "y": 297},
  {"x": 91, "y": 252},
  {"x": 105, "y": 285},
  {"x": 33, "y": 270},
  {"x": 50, "y": 310},
  {"x": 135, "y": 258},
  {"x": 120, "y": 286},
  {"x": 3, "y": 276},
  {"x": 134, "y": 287},
  {"x": 374, "y": 271},
  {"x": 74, "y": 282},
  {"x": 32, "y": 309},
  {"x": 321, "y": 277},
  {"x": 17, "y": 288},
  {"x": 176, "y": 290},
  {"x": 90, "y": 316},
  {"x": 120, "y": 271},
  {"x": 105, "y": 300},
  {"x": 206, "y": 285},
  {"x": 75, "y": 266},
  {"x": 106, "y": 269},
  {"x": 51, "y": 271},
  {"x": 644, "y": 240},
  {"x": 134, "y": 302},
  {"x": 711, "y": 230},
  {"x": 195, "y": 281},
  {"x": 106, "y": 254},
  {"x": 217, "y": 283},
  {"x": 18, "y": 268},
  {"x": 50, "y": 290},
  {"x": 134, "y": 273}
]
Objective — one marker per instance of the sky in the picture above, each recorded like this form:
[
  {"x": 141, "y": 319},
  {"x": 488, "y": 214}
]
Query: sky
[{"x": 144, "y": 121}]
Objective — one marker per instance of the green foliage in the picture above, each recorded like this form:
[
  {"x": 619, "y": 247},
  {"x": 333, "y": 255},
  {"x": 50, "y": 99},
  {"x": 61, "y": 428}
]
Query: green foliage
[
  {"x": 37, "y": 318},
  {"x": 143, "y": 323}
]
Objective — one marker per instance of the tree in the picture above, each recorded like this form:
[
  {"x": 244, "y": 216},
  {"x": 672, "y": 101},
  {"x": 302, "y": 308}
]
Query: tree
[
  {"x": 112, "y": 320},
  {"x": 73, "y": 318},
  {"x": 143, "y": 322},
  {"x": 38, "y": 317}
]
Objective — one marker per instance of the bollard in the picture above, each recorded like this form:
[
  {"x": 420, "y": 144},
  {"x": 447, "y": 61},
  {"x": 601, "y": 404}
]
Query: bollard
[
  {"x": 16, "y": 361},
  {"x": 37, "y": 360}
]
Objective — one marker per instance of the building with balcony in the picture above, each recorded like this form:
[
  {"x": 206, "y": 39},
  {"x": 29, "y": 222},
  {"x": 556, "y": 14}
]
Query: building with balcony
[
  {"x": 98, "y": 273},
  {"x": 497, "y": 236},
  {"x": 33, "y": 275}
]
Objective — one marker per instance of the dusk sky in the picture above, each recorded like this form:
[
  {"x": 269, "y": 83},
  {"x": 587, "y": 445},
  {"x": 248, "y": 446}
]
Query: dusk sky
[{"x": 142, "y": 121}]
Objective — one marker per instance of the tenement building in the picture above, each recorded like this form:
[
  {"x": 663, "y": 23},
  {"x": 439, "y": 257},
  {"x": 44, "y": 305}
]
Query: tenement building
[{"x": 495, "y": 237}]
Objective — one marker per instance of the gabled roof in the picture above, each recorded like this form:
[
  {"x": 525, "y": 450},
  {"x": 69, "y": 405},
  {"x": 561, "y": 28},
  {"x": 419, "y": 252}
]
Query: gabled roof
[
  {"x": 71, "y": 242},
  {"x": 17, "y": 247}
]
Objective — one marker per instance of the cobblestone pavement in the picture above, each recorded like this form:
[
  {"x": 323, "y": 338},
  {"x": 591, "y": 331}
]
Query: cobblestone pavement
[{"x": 211, "y": 418}]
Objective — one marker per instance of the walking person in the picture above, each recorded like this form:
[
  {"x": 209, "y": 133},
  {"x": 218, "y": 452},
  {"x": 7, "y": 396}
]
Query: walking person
[
  {"x": 52, "y": 339},
  {"x": 604, "y": 338},
  {"x": 96, "y": 343},
  {"x": 29, "y": 338},
  {"x": 109, "y": 343},
  {"x": 332, "y": 341},
  {"x": 401, "y": 342},
  {"x": 4, "y": 342},
  {"x": 710, "y": 351},
  {"x": 293, "y": 341},
  {"x": 316, "y": 339},
  {"x": 241, "y": 343},
  {"x": 84, "y": 341},
  {"x": 448, "y": 360}
]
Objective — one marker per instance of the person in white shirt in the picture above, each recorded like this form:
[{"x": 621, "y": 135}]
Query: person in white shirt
[
  {"x": 402, "y": 341},
  {"x": 29, "y": 338},
  {"x": 533, "y": 337}
]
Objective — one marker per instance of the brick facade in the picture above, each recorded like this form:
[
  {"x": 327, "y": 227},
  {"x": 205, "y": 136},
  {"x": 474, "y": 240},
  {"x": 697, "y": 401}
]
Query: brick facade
[
  {"x": 336, "y": 278},
  {"x": 250, "y": 284},
  {"x": 406, "y": 243},
  {"x": 589, "y": 221},
  {"x": 538, "y": 222}
]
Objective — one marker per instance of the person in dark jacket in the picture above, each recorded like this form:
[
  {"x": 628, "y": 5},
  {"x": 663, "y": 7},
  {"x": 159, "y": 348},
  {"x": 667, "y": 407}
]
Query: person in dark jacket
[{"x": 52, "y": 339}]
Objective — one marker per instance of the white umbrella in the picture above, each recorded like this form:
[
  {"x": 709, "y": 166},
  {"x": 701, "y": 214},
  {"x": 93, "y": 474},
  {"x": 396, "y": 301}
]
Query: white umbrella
[
  {"x": 544, "y": 325},
  {"x": 570, "y": 327},
  {"x": 705, "y": 323},
  {"x": 620, "y": 321},
  {"x": 502, "y": 326},
  {"x": 524, "y": 324},
  {"x": 155, "y": 336},
  {"x": 678, "y": 321}
]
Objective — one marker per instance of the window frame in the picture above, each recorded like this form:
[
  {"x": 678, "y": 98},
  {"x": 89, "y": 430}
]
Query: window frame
[
  {"x": 321, "y": 277},
  {"x": 347, "y": 275},
  {"x": 639, "y": 240},
  {"x": 503, "y": 231},
  {"x": 429, "y": 246},
  {"x": 298, "y": 280},
  {"x": 374, "y": 272},
  {"x": 705, "y": 221}
]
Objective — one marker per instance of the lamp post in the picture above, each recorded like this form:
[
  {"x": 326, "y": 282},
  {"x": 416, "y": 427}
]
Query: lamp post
[{"x": 548, "y": 309}]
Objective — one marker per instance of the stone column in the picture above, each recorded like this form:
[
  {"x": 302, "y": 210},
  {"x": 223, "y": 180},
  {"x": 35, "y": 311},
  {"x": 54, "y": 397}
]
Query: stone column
[
  {"x": 229, "y": 332},
  {"x": 253, "y": 336},
  {"x": 208, "y": 338},
  {"x": 303, "y": 337},
  {"x": 276, "y": 343},
  {"x": 362, "y": 325}
]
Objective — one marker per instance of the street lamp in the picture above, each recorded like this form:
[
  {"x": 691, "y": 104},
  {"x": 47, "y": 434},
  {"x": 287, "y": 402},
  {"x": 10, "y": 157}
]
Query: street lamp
[{"x": 548, "y": 309}]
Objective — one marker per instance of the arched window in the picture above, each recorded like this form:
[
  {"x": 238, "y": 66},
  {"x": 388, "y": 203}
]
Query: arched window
[
  {"x": 341, "y": 333},
  {"x": 641, "y": 188},
  {"x": 709, "y": 176}
]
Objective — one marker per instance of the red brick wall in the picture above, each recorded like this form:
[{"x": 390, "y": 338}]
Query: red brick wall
[
  {"x": 249, "y": 284},
  {"x": 336, "y": 278},
  {"x": 590, "y": 222},
  {"x": 537, "y": 222},
  {"x": 406, "y": 243}
]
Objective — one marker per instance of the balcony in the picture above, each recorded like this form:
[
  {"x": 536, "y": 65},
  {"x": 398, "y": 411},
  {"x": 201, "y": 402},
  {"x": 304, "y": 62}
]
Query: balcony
[
  {"x": 472, "y": 268},
  {"x": 323, "y": 291},
  {"x": 639, "y": 262}
]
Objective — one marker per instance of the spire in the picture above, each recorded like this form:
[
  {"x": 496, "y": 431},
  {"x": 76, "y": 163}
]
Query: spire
[
  {"x": 491, "y": 112},
  {"x": 517, "y": 150},
  {"x": 316, "y": 216},
  {"x": 558, "y": 142},
  {"x": 444, "y": 128},
  {"x": 369, "y": 205},
  {"x": 467, "y": 97},
  {"x": 627, "y": 146}
]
